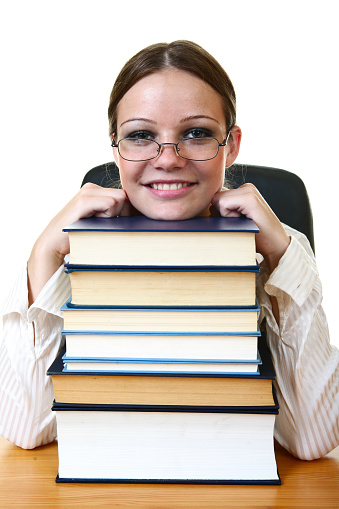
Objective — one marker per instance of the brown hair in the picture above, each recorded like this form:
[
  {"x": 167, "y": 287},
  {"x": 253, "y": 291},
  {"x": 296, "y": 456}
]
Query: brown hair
[{"x": 184, "y": 55}]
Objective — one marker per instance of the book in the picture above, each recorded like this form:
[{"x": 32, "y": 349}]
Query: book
[
  {"x": 158, "y": 417},
  {"x": 99, "y": 286},
  {"x": 160, "y": 319},
  {"x": 140, "y": 241},
  {"x": 160, "y": 366},
  {"x": 166, "y": 444},
  {"x": 208, "y": 346},
  {"x": 212, "y": 390}
]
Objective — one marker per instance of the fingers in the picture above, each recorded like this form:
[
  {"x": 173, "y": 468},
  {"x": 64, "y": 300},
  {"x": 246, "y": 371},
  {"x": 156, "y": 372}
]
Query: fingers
[
  {"x": 53, "y": 244},
  {"x": 215, "y": 211},
  {"x": 93, "y": 200},
  {"x": 244, "y": 200},
  {"x": 272, "y": 240}
]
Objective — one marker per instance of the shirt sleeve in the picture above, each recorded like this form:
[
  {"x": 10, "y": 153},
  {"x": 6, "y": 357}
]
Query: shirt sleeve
[
  {"x": 26, "y": 392},
  {"x": 306, "y": 365}
]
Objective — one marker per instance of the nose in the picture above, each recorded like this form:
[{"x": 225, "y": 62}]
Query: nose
[{"x": 168, "y": 158}]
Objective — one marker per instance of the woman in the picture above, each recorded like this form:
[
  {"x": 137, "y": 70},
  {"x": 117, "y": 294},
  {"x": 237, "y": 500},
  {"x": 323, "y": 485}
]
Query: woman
[{"x": 173, "y": 131}]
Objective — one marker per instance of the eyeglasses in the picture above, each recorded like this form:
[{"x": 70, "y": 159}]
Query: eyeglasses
[{"x": 193, "y": 149}]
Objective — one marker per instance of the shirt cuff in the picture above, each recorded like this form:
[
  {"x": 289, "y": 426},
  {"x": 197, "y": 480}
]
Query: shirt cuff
[
  {"x": 295, "y": 274},
  {"x": 53, "y": 295},
  {"x": 17, "y": 299}
]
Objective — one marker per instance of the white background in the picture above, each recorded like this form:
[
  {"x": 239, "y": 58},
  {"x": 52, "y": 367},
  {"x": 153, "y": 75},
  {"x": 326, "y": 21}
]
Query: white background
[{"x": 58, "y": 64}]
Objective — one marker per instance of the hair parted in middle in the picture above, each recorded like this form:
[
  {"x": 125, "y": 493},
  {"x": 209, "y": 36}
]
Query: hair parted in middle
[{"x": 183, "y": 55}]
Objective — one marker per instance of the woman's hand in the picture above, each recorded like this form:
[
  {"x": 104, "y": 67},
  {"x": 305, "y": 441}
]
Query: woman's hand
[
  {"x": 272, "y": 240},
  {"x": 53, "y": 244}
]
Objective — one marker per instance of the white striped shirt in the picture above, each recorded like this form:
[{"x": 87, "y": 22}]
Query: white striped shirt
[{"x": 307, "y": 366}]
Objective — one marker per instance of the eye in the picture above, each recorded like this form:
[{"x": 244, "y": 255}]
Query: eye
[
  {"x": 198, "y": 133},
  {"x": 141, "y": 135}
]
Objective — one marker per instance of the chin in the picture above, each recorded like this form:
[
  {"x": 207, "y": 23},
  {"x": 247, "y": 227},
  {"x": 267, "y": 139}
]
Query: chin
[{"x": 170, "y": 214}]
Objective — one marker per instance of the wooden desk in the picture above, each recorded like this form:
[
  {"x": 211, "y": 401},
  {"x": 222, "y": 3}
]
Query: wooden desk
[{"x": 27, "y": 479}]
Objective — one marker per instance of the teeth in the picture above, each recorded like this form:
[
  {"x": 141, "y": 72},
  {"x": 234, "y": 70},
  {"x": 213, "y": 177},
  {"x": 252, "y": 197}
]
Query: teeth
[{"x": 168, "y": 187}]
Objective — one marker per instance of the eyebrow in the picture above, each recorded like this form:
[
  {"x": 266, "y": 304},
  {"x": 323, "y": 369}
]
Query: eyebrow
[
  {"x": 138, "y": 120},
  {"x": 197, "y": 117},
  {"x": 182, "y": 121}
]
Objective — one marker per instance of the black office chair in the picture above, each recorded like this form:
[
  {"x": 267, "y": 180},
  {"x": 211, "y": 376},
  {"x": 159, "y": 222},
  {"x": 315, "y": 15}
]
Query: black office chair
[{"x": 284, "y": 191}]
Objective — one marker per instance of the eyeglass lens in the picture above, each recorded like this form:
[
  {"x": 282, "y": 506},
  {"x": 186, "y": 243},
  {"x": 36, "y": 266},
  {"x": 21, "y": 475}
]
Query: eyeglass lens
[{"x": 198, "y": 149}]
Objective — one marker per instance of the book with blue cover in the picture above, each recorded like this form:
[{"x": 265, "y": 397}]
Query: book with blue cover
[
  {"x": 161, "y": 366},
  {"x": 162, "y": 287},
  {"x": 140, "y": 241},
  {"x": 194, "y": 346},
  {"x": 150, "y": 319}
]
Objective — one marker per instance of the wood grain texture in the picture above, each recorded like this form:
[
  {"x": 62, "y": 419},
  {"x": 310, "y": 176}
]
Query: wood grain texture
[{"x": 27, "y": 479}]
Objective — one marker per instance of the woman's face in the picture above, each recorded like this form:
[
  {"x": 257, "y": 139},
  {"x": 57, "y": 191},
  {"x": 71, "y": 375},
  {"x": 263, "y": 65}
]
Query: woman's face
[{"x": 168, "y": 107}]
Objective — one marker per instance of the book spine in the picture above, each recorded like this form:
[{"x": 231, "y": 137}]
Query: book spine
[{"x": 69, "y": 268}]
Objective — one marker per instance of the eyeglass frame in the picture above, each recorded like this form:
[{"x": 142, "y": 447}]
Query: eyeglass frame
[{"x": 160, "y": 145}]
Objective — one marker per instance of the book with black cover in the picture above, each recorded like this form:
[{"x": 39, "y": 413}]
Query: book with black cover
[
  {"x": 160, "y": 444},
  {"x": 140, "y": 241}
]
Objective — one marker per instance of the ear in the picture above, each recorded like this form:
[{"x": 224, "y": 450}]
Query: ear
[
  {"x": 233, "y": 145},
  {"x": 115, "y": 151}
]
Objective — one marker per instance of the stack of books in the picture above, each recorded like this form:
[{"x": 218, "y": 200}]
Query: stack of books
[{"x": 165, "y": 377}]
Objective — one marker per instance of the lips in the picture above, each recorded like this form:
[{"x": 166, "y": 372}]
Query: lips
[
  {"x": 164, "y": 186},
  {"x": 169, "y": 189}
]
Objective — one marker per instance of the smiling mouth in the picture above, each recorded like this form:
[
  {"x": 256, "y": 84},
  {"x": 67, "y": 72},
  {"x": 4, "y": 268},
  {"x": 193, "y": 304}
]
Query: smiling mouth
[{"x": 161, "y": 186}]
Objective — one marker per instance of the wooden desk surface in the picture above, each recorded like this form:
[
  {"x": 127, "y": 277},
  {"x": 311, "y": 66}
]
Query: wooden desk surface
[{"x": 27, "y": 479}]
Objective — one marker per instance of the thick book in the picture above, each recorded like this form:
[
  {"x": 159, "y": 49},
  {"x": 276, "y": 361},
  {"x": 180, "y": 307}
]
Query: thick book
[
  {"x": 160, "y": 366},
  {"x": 124, "y": 241},
  {"x": 208, "y": 346},
  {"x": 102, "y": 286},
  {"x": 166, "y": 445},
  {"x": 160, "y": 319},
  {"x": 171, "y": 389}
]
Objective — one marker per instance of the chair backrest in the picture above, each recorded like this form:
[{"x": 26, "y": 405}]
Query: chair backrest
[{"x": 284, "y": 191}]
